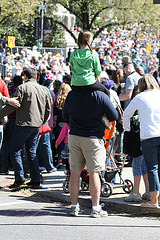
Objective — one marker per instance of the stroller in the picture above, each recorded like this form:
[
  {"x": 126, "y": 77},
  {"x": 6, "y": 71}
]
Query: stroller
[
  {"x": 84, "y": 181},
  {"x": 107, "y": 175}
]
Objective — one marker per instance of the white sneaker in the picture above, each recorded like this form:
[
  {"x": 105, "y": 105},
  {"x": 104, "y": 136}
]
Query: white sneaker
[
  {"x": 133, "y": 197},
  {"x": 98, "y": 214},
  {"x": 75, "y": 211}
]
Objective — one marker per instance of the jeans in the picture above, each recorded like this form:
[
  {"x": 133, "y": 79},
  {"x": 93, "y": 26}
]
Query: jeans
[
  {"x": 151, "y": 153},
  {"x": 139, "y": 166},
  {"x": 51, "y": 136},
  {"x": 28, "y": 136},
  {"x": 119, "y": 145},
  {"x": 3, "y": 54},
  {"x": 44, "y": 152}
]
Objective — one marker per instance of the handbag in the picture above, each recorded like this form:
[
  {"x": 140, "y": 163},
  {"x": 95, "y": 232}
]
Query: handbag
[
  {"x": 119, "y": 109},
  {"x": 44, "y": 129},
  {"x": 120, "y": 112},
  {"x": 105, "y": 122},
  {"x": 131, "y": 141}
]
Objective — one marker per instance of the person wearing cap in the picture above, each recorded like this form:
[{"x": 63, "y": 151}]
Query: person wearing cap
[{"x": 131, "y": 82}]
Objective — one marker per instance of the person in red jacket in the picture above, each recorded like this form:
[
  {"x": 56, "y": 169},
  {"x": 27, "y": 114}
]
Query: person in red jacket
[{"x": 3, "y": 88}]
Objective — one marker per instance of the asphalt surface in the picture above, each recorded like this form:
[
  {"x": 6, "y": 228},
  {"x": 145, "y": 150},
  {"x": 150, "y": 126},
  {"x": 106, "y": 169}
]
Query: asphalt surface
[{"x": 27, "y": 215}]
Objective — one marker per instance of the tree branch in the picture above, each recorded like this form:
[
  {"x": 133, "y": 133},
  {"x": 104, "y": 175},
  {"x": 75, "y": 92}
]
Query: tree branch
[
  {"x": 71, "y": 10},
  {"x": 5, "y": 18},
  {"x": 67, "y": 29},
  {"x": 97, "y": 13}
]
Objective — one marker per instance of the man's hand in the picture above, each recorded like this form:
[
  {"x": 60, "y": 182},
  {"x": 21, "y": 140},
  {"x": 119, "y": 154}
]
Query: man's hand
[{"x": 14, "y": 102}]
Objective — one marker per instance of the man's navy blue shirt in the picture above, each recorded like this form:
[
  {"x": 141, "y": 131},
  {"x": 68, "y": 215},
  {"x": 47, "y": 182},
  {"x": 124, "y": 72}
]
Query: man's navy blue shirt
[{"x": 85, "y": 109}]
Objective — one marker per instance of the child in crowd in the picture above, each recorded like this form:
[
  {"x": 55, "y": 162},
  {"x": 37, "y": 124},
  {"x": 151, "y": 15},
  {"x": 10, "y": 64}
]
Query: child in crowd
[
  {"x": 85, "y": 65},
  {"x": 64, "y": 134}
]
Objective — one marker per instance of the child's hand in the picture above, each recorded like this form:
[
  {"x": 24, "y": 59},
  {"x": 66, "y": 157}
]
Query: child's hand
[{"x": 56, "y": 145}]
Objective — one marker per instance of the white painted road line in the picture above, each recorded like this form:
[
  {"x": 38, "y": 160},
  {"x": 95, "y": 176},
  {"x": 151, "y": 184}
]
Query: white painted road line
[{"x": 10, "y": 203}]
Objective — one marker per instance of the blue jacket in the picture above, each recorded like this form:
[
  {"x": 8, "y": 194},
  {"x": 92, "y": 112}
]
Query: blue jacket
[{"x": 85, "y": 109}]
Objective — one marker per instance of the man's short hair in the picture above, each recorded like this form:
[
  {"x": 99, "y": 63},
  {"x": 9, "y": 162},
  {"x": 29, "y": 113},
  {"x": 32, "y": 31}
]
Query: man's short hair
[
  {"x": 30, "y": 72},
  {"x": 67, "y": 78},
  {"x": 125, "y": 60}
]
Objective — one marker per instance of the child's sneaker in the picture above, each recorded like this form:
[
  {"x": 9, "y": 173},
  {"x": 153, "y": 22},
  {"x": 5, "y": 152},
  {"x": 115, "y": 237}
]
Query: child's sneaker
[
  {"x": 59, "y": 164},
  {"x": 98, "y": 214},
  {"x": 133, "y": 197},
  {"x": 74, "y": 211},
  {"x": 146, "y": 196}
]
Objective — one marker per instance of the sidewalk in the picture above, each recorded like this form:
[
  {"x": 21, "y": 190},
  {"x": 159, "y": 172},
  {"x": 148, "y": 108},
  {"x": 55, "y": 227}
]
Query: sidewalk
[{"x": 52, "y": 188}]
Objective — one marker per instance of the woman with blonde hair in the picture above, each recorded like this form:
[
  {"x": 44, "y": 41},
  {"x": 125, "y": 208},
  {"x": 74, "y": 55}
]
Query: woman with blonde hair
[
  {"x": 63, "y": 92},
  {"x": 57, "y": 112},
  {"x": 147, "y": 105}
]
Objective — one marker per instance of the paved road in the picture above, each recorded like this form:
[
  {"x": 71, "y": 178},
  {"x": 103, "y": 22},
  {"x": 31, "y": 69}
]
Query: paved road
[{"x": 24, "y": 216}]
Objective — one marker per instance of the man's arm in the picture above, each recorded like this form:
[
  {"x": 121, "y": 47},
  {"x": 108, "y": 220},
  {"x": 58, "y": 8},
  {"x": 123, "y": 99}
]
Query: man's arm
[
  {"x": 127, "y": 95},
  {"x": 11, "y": 101},
  {"x": 6, "y": 111},
  {"x": 14, "y": 102},
  {"x": 11, "y": 105}
]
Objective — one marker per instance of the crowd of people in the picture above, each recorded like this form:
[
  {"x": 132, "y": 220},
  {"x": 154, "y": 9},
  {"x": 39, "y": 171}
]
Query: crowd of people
[{"x": 76, "y": 92}]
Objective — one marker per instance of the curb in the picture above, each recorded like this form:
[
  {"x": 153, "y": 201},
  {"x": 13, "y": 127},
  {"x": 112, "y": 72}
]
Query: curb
[{"x": 118, "y": 205}]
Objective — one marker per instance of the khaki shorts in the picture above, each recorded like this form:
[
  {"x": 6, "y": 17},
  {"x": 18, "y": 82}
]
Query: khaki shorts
[{"x": 84, "y": 150}]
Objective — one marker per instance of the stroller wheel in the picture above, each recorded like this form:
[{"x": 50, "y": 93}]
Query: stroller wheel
[
  {"x": 84, "y": 186},
  {"x": 66, "y": 186},
  {"x": 128, "y": 186},
  {"x": 106, "y": 189}
]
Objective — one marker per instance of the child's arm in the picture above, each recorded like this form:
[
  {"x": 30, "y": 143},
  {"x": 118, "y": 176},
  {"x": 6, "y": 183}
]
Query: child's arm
[
  {"x": 62, "y": 135},
  {"x": 97, "y": 65}
]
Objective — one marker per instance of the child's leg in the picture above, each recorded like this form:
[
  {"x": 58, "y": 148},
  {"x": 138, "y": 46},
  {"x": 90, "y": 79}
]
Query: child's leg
[
  {"x": 67, "y": 164},
  {"x": 136, "y": 184},
  {"x": 137, "y": 173},
  {"x": 99, "y": 86},
  {"x": 146, "y": 183}
]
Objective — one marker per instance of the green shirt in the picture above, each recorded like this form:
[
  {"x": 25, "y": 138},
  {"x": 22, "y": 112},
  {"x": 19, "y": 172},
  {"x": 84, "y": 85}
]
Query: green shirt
[{"x": 84, "y": 65}]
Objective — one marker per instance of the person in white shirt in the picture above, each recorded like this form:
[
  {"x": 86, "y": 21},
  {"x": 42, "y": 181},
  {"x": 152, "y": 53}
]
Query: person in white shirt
[
  {"x": 131, "y": 82},
  {"x": 147, "y": 104}
]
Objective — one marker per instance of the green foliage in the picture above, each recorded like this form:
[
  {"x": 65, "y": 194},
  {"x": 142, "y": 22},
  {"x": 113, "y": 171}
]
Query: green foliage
[
  {"x": 17, "y": 19},
  {"x": 16, "y": 12},
  {"x": 90, "y": 14},
  {"x": 12, "y": 31}
]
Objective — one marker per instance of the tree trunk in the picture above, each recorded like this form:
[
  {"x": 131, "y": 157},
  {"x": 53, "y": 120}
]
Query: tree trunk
[{"x": 85, "y": 16}]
